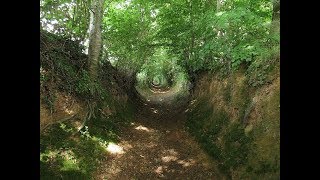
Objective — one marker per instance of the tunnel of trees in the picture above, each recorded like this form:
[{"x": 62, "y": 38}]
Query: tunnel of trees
[{"x": 173, "y": 89}]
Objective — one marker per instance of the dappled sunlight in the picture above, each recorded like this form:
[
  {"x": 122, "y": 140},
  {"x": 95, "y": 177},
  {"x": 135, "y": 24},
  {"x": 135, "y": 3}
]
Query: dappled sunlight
[
  {"x": 48, "y": 155},
  {"x": 169, "y": 155},
  {"x": 159, "y": 170},
  {"x": 154, "y": 110},
  {"x": 142, "y": 128},
  {"x": 69, "y": 111},
  {"x": 172, "y": 155},
  {"x": 108, "y": 146},
  {"x": 67, "y": 159},
  {"x": 172, "y": 152},
  {"x": 168, "y": 158},
  {"x": 125, "y": 145},
  {"x": 187, "y": 163},
  {"x": 136, "y": 89},
  {"x": 114, "y": 149},
  {"x": 193, "y": 101}
]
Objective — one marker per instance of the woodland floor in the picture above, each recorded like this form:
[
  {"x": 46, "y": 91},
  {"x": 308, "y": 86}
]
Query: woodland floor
[{"x": 156, "y": 146}]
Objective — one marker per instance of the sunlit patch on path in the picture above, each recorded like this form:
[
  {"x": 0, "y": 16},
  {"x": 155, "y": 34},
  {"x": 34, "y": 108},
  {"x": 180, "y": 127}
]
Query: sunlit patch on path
[
  {"x": 114, "y": 149},
  {"x": 143, "y": 128},
  {"x": 170, "y": 155},
  {"x": 153, "y": 149}
]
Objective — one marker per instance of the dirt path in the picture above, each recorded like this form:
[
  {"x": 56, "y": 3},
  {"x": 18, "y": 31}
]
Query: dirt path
[{"x": 156, "y": 146}]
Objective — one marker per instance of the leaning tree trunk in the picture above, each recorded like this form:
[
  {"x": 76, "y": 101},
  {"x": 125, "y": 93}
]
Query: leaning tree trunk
[{"x": 95, "y": 40}]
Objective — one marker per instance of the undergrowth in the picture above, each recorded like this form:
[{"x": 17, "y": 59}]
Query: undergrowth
[
  {"x": 226, "y": 142},
  {"x": 66, "y": 152},
  {"x": 63, "y": 155},
  {"x": 259, "y": 69},
  {"x": 216, "y": 121},
  {"x": 64, "y": 67}
]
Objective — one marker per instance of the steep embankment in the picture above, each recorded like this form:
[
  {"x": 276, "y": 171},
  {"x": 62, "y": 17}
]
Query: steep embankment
[
  {"x": 89, "y": 131},
  {"x": 66, "y": 89},
  {"x": 78, "y": 115},
  {"x": 238, "y": 125}
]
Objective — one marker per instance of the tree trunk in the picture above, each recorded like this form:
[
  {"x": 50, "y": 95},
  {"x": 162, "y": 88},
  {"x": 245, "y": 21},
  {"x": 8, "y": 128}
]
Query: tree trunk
[
  {"x": 218, "y": 5},
  {"x": 95, "y": 40},
  {"x": 275, "y": 24},
  {"x": 191, "y": 54}
]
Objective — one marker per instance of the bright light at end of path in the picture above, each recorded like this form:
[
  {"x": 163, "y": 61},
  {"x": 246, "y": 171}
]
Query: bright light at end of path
[{"x": 114, "y": 149}]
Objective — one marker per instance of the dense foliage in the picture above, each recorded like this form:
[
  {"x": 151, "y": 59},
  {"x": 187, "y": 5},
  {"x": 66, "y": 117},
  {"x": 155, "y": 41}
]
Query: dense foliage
[
  {"x": 163, "y": 42},
  {"x": 202, "y": 36},
  {"x": 66, "y": 17}
]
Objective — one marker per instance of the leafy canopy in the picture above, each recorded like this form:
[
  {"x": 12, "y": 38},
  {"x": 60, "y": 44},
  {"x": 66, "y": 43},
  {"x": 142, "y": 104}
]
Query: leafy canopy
[{"x": 201, "y": 36}]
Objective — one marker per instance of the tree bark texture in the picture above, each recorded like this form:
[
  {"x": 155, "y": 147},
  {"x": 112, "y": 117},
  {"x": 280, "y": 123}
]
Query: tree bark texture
[
  {"x": 95, "y": 39},
  {"x": 275, "y": 24}
]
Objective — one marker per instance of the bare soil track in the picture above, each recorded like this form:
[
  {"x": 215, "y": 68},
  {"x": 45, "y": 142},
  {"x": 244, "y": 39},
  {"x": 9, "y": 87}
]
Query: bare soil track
[{"x": 156, "y": 146}]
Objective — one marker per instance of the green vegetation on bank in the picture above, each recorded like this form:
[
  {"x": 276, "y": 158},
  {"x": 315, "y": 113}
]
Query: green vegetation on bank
[
  {"x": 96, "y": 50},
  {"x": 65, "y": 151},
  {"x": 238, "y": 128}
]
